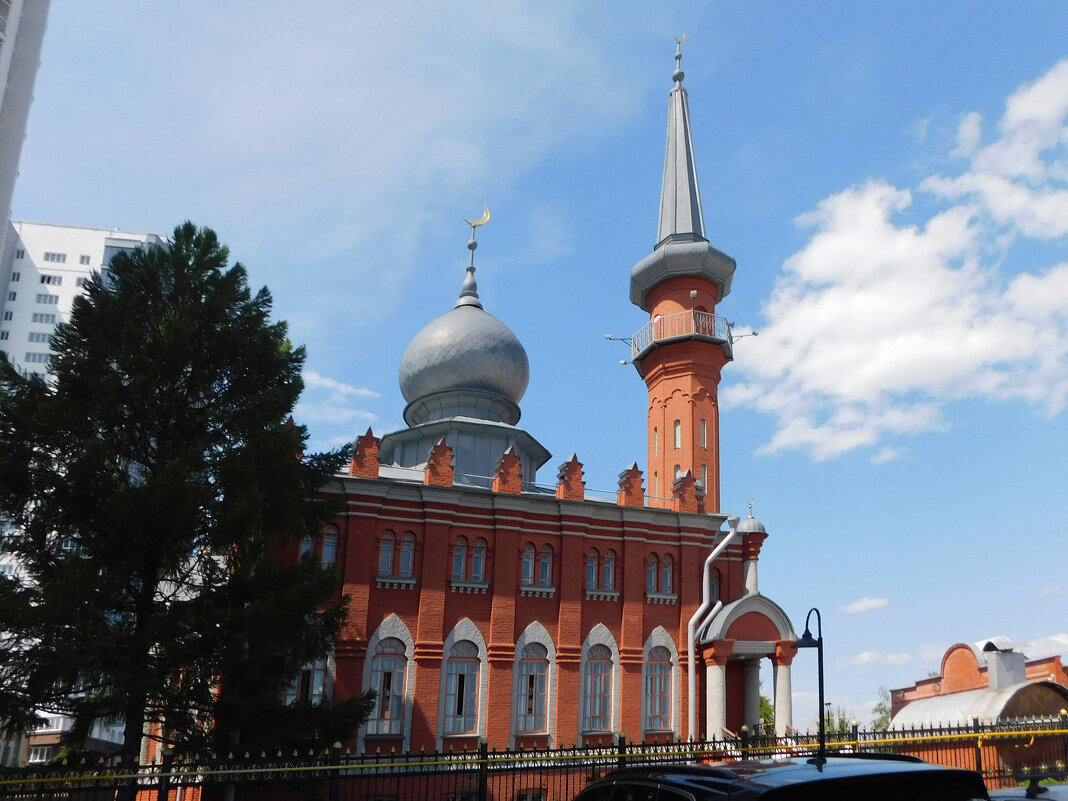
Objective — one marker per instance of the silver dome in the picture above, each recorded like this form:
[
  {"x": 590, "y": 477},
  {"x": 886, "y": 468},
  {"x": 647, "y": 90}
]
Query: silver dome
[
  {"x": 751, "y": 525},
  {"x": 464, "y": 349}
]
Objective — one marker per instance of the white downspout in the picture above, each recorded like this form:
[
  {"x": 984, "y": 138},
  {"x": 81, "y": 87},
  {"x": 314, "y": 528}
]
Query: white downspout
[{"x": 691, "y": 627}]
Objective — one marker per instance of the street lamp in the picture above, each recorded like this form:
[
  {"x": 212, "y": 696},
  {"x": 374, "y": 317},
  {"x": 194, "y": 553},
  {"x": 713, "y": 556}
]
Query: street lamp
[{"x": 808, "y": 641}]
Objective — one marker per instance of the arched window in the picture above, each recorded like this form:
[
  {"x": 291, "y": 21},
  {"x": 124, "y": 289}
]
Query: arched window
[
  {"x": 597, "y": 690},
  {"x": 385, "y": 554},
  {"x": 713, "y": 583},
  {"x": 704, "y": 433},
  {"x": 527, "y": 574},
  {"x": 666, "y": 583},
  {"x": 531, "y": 689},
  {"x": 678, "y": 472},
  {"x": 478, "y": 561},
  {"x": 656, "y": 485},
  {"x": 591, "y": 569},
  {"x": 309, "y": 686},
  {"x": 678, "y": 434},
  {"x": 461, "y": 689},
  {"x": 650, "y": 573},
  {"x": 545, "y": 567},
  {"x": 407, "y": 560},
  {"x": 307, "y": 548},
  {"x": 658, "y": 690},
  {"x": 656, "y": 442},
  {"x": 704, "y": 477},
  {"x": 459, "y": 559},
  {"x": 329, "y": 546},
  {"x": 388, "y": 666},
  {"x": 608, "y": 571}
]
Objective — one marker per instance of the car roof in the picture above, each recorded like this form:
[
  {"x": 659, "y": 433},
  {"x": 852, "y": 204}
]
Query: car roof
[{"x": 768, "y": 774}]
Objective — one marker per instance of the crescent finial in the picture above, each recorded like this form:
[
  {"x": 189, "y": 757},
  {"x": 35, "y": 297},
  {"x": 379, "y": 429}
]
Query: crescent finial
[
  {"x": 682, "y": 40},
  {"x": 481, "y": 220}
]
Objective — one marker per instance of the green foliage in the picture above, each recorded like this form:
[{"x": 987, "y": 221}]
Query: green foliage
[
  {"x": 767, "y": 713},
  {"x": 881, "y": 711},
  {"x": 148, "y": 490},
  {"x": 837, "y": 721}
]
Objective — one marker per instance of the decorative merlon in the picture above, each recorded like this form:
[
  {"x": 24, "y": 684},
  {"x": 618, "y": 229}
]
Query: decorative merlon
[
  {"x": 509, "y": 478},
  {"x": 570, "y": 486},
  {"x": 365, "y": 462},
  {"x": 687, "y": 495},
  {"x": 439, "y": 470},
  {"x": 631, "y": 492}
]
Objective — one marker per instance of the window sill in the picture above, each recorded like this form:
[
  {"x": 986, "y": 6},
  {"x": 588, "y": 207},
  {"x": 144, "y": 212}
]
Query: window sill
[
  {"x": 394, "y": 583},
  {"x": 602, "y": 595},
  {"x": 535, "y": 591},
  {"x": 476, "y": 587},
  {"x": 661, "y": 598}
]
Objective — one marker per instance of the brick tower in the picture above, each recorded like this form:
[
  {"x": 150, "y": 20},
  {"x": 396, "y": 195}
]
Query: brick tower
[{"x": 682, "y": 349}]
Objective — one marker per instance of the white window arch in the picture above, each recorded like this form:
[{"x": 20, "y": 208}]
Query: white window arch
[
  {"x": 660, "y": 700},
  {"x": 678, "y": 434},
  {"x": 597, "y": 643},
  {"x": 392, "y": 628},
  {"x": 534, "y": 634},
  {"x": 465, "y": 631}
]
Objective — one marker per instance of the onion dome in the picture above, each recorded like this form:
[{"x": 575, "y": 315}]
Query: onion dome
[
  {"x": 751, "y": 525},
  {"x": 465, "y": 362}
]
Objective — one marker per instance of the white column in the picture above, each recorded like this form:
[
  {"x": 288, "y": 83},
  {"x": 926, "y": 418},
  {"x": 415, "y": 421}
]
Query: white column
[
  {"x": 784, "y": 707},
  {"x": 749, "y": 569},
  {"x": 751, "y": 708},
  {"x": 715, "y": 701}
]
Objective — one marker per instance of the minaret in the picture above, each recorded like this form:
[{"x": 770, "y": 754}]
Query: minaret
[{"x": 682, "y": 349}]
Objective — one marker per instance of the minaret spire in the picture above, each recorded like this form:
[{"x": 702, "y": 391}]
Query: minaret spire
[
  {"x": 469, "y": 288},
  {"x": 681, "y": 218}
]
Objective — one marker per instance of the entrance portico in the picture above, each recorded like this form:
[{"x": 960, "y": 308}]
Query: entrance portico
[{"x": 742, "y": 634}]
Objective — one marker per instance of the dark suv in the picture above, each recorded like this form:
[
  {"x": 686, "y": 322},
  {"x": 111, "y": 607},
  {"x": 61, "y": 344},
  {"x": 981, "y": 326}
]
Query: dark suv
[{"x": 876, "y": 777}]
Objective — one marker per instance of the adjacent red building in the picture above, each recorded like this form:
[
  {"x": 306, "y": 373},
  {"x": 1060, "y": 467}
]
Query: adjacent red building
[{"x": 486, "y": 605}]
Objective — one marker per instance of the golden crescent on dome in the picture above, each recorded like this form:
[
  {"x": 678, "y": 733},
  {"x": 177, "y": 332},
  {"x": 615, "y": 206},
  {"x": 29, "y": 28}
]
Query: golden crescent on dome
[
  {"x": 481, "y": 220},
  {"x": 683, "y": 39}
]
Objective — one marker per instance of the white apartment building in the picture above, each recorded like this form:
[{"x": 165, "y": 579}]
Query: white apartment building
[
  {"x": 22, "y": 28},
  {"x": 42, "y": 269}
]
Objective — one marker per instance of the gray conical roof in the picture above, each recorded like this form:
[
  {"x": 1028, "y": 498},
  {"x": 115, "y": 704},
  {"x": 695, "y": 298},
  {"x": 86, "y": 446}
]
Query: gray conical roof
[{"x": 681, "y": 247}]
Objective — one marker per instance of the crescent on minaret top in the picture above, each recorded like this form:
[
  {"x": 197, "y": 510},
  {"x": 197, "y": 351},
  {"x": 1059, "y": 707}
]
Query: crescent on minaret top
[
  {"x": 481, "y": 220},
  {"x": 683, "y": 39}
]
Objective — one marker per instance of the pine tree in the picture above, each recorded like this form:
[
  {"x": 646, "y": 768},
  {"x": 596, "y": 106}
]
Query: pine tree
[{"x": 149, "y": 488}]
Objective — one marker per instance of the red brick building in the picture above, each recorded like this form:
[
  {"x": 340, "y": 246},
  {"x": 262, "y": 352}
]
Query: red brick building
[
  {"x": 991, "y": 679},
  {"x": 485, "y": 605}
]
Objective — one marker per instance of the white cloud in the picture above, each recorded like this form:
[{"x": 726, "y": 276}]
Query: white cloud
[
  {"x": 889, "y": 313},
  {"x": 885, "y": 455},
  {"x": 876, "y": 658},
  {"x": 1048, "y": 591},
  {"x": 864, "y": 605},
  {"x": 968, "y": 135},
  {"x": 1053, "y": 645},
  {"x": 318, "y": 381}
]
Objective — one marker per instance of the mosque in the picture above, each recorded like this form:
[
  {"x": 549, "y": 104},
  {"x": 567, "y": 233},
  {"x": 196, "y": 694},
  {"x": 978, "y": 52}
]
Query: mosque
[{"x": 484, "y": 606}]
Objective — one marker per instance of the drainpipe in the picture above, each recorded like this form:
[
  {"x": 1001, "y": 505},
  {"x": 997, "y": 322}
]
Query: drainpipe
[{"x": 691, "y": 627}]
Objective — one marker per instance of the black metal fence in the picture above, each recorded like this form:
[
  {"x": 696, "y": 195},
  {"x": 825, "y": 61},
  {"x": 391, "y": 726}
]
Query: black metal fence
[{"x": 1008, "y": 752}]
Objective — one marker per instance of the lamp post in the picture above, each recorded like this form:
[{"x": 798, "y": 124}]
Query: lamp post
[{"x": 808, "y": 641}]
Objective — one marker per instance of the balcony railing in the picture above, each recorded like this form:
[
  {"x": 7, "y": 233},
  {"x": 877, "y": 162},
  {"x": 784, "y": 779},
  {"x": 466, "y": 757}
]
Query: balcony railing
[{"x": 692, "y": 324}]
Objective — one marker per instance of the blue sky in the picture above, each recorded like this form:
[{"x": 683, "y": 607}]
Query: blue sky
[{"x": 892, "y": 180}]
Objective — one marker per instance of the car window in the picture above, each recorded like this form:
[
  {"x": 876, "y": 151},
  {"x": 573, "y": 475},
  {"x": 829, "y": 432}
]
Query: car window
[
  {"x": 669, "y": 794},
  {"x": 598, "y": 792},
  {"x": 634, "y": 791}
]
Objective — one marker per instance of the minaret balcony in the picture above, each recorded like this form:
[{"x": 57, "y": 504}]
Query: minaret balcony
[{"x": 692, "y": 324}]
